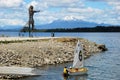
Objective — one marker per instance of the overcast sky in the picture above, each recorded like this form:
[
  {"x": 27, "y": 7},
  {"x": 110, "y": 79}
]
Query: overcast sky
[{"x": 15, "y": 12}]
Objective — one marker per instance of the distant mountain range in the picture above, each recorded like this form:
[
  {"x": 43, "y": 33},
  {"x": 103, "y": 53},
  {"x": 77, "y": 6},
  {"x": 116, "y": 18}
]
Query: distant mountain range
[
  {"x": 11, "y": 27},
  {"x": 69, "y": 24},
  {"x": 60, "y": 24}
]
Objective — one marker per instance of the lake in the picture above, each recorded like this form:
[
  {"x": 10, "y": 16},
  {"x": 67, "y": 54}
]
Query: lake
[{"x": 102, "y": 66}]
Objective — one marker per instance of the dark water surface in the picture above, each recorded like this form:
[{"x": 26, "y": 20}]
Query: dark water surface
[{"x": 102, "y": 66}]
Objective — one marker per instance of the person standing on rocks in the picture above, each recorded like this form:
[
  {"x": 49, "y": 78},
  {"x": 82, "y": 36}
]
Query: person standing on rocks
[{"x": 31, "y": 19}]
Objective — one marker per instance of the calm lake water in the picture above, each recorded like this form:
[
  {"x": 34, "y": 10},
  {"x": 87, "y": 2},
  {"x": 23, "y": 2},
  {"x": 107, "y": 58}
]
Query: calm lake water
[{"x": 102, "y": 66}]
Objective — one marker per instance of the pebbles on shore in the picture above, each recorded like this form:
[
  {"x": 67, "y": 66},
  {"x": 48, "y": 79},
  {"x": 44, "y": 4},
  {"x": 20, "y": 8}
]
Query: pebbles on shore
[{"x": 38, "y": 53}]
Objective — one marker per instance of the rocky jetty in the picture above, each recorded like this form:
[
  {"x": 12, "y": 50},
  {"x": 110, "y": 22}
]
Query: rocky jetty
[{"x": 41, "y": 52}]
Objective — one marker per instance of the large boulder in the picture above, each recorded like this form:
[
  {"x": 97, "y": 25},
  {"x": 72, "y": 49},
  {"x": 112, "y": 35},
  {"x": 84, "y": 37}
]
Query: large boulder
[{"x": 102, "y": 47}]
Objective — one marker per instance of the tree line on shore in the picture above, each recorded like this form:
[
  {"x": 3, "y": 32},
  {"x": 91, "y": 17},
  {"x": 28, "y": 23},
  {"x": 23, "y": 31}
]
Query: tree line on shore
[{"x": 85, "y": 29}]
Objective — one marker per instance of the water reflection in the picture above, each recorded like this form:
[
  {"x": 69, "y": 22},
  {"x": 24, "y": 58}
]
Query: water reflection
[{"x": 83, "y": 77}]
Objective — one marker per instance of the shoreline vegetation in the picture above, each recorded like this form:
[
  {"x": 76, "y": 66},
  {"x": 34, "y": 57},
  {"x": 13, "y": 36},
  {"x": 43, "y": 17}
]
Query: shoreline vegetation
[
  {"x": 77, "y": 29},
  {"x": 37, "y": 52}
]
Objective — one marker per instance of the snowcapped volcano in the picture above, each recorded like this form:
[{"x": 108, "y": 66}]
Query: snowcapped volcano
[
  {"x": 69, "y": 22},
  {"x": 67, "y": 18}
]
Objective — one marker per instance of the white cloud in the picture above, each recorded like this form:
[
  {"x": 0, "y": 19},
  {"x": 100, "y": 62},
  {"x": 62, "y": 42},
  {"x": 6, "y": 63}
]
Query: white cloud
[
  {"x": 61, "y": 3},
  {"x": 86, "y": 13},
  {"x": 33, "y": 3},
  {"x": 116, "y": 5},
  {"x": 56, "y": 9},
  {"x": 43, "y": 17},
  {"x": 11, "y": 21},
  {"x": 11, "y": 3},
  {"x": 103, "y": 0},
  {"x": 114, "y": 13},
  {"x": 84, "y": 10}
]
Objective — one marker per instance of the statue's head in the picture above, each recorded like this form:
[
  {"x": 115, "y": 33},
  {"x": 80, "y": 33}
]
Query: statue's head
[{"x": 31, "y": 7}]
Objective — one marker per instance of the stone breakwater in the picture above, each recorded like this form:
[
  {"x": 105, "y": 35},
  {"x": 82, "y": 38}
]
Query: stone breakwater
[
  {"x": 44, "y": 51},
  {"x": 40, "y": 52}
]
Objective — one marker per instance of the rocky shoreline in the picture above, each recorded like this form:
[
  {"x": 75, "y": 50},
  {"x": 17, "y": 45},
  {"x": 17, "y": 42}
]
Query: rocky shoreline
[{"x": 40, "y": 52}]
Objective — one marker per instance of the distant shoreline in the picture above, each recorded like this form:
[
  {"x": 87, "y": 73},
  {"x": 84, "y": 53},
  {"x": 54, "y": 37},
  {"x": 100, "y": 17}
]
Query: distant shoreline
[{"x": 76, "y": 29}]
